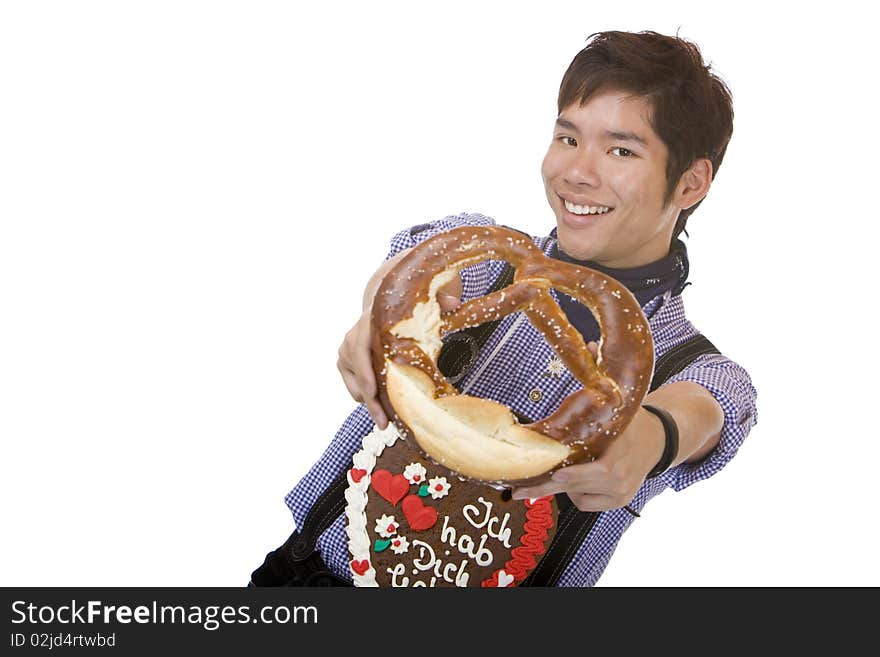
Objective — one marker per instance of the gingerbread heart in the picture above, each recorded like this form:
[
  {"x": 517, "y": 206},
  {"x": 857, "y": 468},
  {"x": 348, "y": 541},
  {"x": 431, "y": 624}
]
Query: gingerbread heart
[
  {"x": 391, "y": 487},
  {"x": 419, "y": 516},
  {"x": 448, "y": 531}
]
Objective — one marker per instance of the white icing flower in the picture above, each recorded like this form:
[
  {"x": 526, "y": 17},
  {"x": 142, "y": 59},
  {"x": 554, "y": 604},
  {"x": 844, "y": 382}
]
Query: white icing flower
[
  {"x": 555, "y": 368},
  {"x": 399, "y": 545},
  {"x": 438, "y": 487},
  {"x": 386, "y": 526},
  {"x": 415, "y": 473}
]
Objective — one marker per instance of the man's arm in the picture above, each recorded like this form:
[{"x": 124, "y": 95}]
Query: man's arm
[
  {"x": 611, "y": 481},
  {"x": 696, "y": 412}
]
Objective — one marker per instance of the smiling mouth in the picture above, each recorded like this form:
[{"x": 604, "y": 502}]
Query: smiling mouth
[{"x": 585, "y": 210}]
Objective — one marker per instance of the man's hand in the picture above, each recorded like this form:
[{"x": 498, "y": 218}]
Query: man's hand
[
  {"x": 355, "y": 363},
  {"x": 612, "y": 480}
]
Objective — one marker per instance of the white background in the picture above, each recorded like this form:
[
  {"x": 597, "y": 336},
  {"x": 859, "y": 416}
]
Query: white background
[{"x": 193, "y": 194}]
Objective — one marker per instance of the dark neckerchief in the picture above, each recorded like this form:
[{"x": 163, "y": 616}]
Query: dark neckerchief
[{"x": 646, "y": 282}]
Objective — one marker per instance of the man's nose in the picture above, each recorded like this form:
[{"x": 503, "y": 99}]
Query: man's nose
[{"x": 583, "y": 168}]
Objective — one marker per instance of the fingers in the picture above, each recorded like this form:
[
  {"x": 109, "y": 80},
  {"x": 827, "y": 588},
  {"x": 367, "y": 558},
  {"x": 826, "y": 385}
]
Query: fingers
[
  {"x": 448, "y": 302},
  {"x": 593, "y": 486},
  {"x": 374, "y": 408},
  {"x": 356, "y": 367},
  {"x": 583, "y": 501},
  {"x": 453, "y": 288},
  {"x": 585, "y": 475},
  {"x": 592, "y": 502},
  {"x": 364, "y": 393},
  {"x": 449, "y": 296},
  {"x": 540, "y": 490},
  {"x": 350, "y": 382}
]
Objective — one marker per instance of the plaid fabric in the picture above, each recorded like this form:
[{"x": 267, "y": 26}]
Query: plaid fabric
[{"x": 513, "y": 365}]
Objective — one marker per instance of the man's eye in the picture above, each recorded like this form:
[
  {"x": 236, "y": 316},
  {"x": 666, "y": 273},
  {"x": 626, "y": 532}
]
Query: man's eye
[
  {"x": 625, "y": 152},
  {"x": 572, "y": 140}
]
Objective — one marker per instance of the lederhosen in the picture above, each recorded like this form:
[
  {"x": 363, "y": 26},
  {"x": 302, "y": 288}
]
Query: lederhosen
[{"x": 298, "y": 563}]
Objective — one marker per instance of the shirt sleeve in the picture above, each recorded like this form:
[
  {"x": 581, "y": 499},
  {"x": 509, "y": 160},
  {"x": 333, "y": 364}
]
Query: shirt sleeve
[
  {"x": 475, "y": 278},
  {"x": 732, "y": 388},
  {"x": 336, "y": 458}
]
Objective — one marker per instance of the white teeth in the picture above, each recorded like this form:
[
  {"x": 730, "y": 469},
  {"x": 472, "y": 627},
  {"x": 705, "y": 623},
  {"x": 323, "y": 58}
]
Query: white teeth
[{"x": 586, "y": 209}]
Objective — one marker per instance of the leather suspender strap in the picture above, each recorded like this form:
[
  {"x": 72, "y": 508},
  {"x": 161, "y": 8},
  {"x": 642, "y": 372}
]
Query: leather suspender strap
[
  {"x": 573, "y": 525},
  {"x": 680, "y": 356}
]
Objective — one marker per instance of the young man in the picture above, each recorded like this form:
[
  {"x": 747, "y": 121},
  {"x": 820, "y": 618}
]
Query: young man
[{"x": 641, "y": 131}]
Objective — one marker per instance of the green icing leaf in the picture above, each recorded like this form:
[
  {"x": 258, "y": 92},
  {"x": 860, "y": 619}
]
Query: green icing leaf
[{"x": 381, "y": 544}]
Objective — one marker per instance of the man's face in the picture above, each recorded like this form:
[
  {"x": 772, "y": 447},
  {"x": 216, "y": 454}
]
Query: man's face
[{"x": 606, "y": 154}]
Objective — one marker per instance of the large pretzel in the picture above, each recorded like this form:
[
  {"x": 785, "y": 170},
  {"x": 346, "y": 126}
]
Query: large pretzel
[{"x": 479, "y": 438}]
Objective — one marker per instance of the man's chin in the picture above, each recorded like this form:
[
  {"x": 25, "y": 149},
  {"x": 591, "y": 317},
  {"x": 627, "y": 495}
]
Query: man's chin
[{"x": 575, "y": 243}]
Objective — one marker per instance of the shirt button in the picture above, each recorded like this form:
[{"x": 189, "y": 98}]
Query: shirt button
[{"x": 535, "y": 395}]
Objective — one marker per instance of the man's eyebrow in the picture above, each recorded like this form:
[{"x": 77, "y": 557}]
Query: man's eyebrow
[
  {"x": 626, "y": 136},
  {"x": 568, "y": 125},
  {"x": 611, "y": 134}
]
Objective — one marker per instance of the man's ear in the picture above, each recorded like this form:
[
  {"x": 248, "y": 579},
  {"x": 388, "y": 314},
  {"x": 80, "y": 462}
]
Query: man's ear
[{"x": 694, "y": 183}]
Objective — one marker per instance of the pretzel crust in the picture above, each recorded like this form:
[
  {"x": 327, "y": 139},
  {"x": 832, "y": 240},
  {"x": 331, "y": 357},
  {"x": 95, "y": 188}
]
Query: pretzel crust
[{"x": 479, "y": 438}]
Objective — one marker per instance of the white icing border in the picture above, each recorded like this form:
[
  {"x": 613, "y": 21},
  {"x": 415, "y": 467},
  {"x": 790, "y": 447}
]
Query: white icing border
[{"x": 373, "y": 445}]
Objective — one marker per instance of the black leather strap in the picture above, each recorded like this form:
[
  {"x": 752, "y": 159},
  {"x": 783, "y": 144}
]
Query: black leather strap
[
  {"x": 670, "y": 444},
  {"x": 676, "y": 359},
  {"x": 572, "y": 527}
]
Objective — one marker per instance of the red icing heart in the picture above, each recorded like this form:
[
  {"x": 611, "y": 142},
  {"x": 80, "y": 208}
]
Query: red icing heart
[
  {"x": 360, "y": 567},
  {"x": 417, "y": 514},
  {"x": 357, "y": 474},
  {"x": 391, "y": 488}
]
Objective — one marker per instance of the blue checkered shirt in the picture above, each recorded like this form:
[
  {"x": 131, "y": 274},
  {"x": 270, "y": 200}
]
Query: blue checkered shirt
[{"x": 509, "y": 373}]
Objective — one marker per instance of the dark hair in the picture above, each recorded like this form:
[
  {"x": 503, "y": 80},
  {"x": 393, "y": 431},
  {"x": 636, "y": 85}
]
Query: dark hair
[{"x": 691, "y": 108}]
